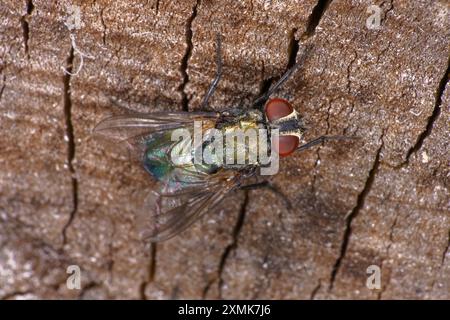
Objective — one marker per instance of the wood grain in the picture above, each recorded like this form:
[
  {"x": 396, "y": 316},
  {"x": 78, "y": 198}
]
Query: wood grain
[{"x": 380, "y": 200}]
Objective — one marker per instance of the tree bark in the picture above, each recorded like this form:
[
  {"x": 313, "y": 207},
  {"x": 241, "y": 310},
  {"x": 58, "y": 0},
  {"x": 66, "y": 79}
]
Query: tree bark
[{"x": 382, "y": 200}]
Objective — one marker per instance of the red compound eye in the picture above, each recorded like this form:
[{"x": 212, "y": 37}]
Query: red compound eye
[
  {"x": 287, "y": 145},
  {"x": 278, "y": 108},
  {"x": 275, "y": 109}
]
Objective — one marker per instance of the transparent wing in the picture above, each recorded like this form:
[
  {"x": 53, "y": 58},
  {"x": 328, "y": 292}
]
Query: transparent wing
[
  {"x": 171, "y": 210},
  {"x": 183, "y": 193},
  {"x": 153, "y": 122},
  {"x": 131, "y": 130}
]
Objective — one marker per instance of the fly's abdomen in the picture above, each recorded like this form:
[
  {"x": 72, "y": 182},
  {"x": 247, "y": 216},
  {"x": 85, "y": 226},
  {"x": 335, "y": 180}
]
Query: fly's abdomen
[
  {"x": 162, "y": 156},
  {"x": 156, "y": 161}
]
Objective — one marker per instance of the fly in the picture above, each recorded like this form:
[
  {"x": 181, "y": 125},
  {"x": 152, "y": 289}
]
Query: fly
[{"x": 186, "y": 189}]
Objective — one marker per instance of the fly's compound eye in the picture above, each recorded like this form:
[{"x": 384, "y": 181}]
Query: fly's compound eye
[
  {"x": 278, "y": 108},
  {"x": 287, "y": 145}
]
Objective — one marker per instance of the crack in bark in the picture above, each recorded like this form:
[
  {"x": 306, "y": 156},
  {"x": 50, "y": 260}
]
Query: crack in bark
[
  {"x": 294, "y": 45},
  {"x": 151, "y": 270},
  {"x": 432, "y": 118},
  {"x": 26, "y": 27},
  {"x": 185, "y": 61},
  {"x": 152, "y": 266},
  {"x": 444, "y": 254},
  {"x": 354, "y": 213},
  {"x": 293, "y": 49},
  {"x": 115, "y": 55},
  {"x": 389, "y": 9},
  {"x": 349, "y": 71},
  {"x": 315, "y": 17},
  {"x": 69, "y": 137},
  {"x": 315, "y": 290},
  {"x": 102, "y": 21},
  {"x": 11, "y": 295},
  {"x": 232, "y": 246},
  {"x": 157, "y": 7},
  {"x": 2, "y": 88}
]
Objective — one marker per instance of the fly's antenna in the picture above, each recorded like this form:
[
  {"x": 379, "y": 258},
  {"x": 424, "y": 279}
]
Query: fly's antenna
[{"x": 284, "y": 77}]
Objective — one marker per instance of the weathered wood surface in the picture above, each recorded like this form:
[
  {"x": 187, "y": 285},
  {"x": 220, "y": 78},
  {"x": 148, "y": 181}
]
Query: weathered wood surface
[{"x": 383, "y": 200}]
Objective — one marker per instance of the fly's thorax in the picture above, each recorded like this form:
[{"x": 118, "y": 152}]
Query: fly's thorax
[
  {"x": 239, "y": 134},
  {"x": 243, "y": 142},
  {"x": 236, "y": 116}
]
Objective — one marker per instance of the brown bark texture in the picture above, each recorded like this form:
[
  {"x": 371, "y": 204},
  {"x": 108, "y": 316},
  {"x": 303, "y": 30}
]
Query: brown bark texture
[{"x": 382, "y": 200}]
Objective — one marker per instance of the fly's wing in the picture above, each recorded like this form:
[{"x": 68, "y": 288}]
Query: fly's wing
[
  {"x": 183, "y": 193},
  {"x": 171, "y": 210},
  {"x": 132, "y": 130}
]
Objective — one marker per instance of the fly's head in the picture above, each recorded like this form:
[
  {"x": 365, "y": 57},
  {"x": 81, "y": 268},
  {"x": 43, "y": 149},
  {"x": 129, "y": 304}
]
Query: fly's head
[{"x": 281, "y": 115}]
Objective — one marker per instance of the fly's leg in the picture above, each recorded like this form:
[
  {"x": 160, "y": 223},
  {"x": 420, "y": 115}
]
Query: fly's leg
[
  {"x": 275, "y": 87},
  {"x": 215, "y": 82},
  {"x": 321, "y": 139},
  {"x": 260, "y": 100},
  {"x": 267, "y": 184}
]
